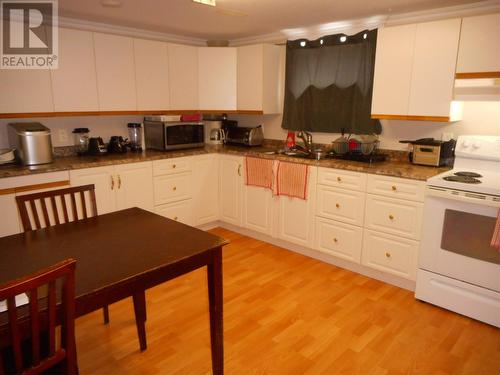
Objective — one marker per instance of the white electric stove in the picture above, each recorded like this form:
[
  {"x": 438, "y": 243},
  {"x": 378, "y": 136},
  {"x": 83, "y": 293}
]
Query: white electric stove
[{"x": 458, "y": 268}]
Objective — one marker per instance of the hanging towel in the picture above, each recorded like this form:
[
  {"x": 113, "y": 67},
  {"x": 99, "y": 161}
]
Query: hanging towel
[
  {"x": 259, "y": 172},
  {"x": 292, "y": 180},
  {"x": 495, "y": 240}
]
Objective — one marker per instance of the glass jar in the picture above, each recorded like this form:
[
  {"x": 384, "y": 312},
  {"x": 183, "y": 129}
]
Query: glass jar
[
  {"x": 135, "y": 136},
  {"x": 81, "y": 140}
]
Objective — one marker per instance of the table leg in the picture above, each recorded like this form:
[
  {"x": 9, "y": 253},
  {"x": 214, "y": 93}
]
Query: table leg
[
  {"x": 140, "y": 318},
  {"x": 214, "y": 275}
]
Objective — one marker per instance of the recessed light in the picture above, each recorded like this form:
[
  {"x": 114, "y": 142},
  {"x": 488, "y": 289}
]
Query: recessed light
[
  {"x": 343, "y": 38},
  {"x": 303, "y": 43},
  {"x": 205, "y": 2},
  {"x": 321, "y": 41},
  {"x": 365, "y": 35},
  {"x": 111, "y": 3}
]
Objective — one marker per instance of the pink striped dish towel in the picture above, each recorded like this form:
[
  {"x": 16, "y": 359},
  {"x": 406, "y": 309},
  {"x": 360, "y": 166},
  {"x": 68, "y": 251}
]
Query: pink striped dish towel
[
  {"x": 292, "y": 180},
  {"x": 259, "y": 172},
  {"x": 495, "y": 240}
]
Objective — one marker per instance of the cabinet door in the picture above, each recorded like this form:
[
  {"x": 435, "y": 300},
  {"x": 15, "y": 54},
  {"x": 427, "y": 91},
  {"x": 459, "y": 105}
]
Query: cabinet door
[
  {"x": 205, "y": 189},
  {"x": 183, "y": 76},
  {"x": 115, "y": 72},
  {"x": 258, "y": 209},
  {"x": 478, "y": 51},
  {"x": 393, "y": 70},
  {"x": 230, "y": 187},
  {"x": 217, "y": 78},
  {"x": 433, "y": 74},
  {"x": 74, "y": 83},
  {"x": 134, "y": 186},
  {"x": 178, "y": 211},
  {"x": 9, "y": 220},
  {"x": 105, "y": 185},
  {"x": 250, "y": 77},
  {"x": 339, "y": 239},
  {"x": 296, "y": 216},
  {"x": 151, "y": 74}
]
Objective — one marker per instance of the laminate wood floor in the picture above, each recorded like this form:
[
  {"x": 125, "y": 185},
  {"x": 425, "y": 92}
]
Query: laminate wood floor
[{"x": 285, "y": 313}]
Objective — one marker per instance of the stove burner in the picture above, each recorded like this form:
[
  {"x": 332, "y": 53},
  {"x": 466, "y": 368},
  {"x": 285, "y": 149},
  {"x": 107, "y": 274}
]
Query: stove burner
[
  {"x": 467, "y": 174},
  {"x": 463, "y": 179}
]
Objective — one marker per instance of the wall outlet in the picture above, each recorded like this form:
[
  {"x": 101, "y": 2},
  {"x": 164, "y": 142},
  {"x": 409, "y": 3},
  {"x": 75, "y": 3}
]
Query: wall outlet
[{"x": 62, "y": 135}]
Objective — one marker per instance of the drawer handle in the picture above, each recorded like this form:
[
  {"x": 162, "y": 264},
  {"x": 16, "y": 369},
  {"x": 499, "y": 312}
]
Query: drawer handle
[
  {"x": 174, "y": 166},
  {"x": 391, "y": 217},
  {"x": 174, "y": 188},
  {"x": 175, "y": 218},
  {"x": 335, "y": 240},
  {"x": 239, "y": 169},
  {"x": 339, "y": 179},
  {"x": 112, "y": 183},
  {"x": 337, "y": 205},
  {"x": 387, "y": 254},
  {"x": 394, "y": 188}
]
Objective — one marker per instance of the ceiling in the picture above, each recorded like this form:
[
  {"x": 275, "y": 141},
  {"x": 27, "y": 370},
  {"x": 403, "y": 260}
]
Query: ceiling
[{"x": 234, "y": 19}]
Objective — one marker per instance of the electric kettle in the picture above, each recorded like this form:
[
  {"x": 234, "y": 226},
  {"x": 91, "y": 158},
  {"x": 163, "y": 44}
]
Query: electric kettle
[{"x": 217, "y": 136}]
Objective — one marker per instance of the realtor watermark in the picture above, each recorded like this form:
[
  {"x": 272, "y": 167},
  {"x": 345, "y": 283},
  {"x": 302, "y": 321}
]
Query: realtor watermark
[{"x": 29, "y": 34}]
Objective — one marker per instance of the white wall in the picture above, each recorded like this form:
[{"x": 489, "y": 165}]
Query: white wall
[
  {"x": 478, "y": 118},
  {"x": 100, "y": 126}
]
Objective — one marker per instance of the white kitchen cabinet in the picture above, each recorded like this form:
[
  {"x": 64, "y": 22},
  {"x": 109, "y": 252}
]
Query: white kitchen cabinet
[
  {"x": 115, "y": 68},
  {"x": 74, "y": 82},
  {"x": 9, "y": 220},
  {"x": 258, "y": 69},
  {"x": 478, "y": 51},
  {"x": 172, "y": 188},
  {"x": 183, "y": 76},
  {"x": 134, "y": 186},
  {"x": 340, "y": 204},
  {"x": 217, "y": 68},
  {"x": 181, "y": 211},
  {"x": 296, "y": 216},
  {"x": 151, "y": 75},
  {"x": 230, "y": 189},
  {"x": 414, "y": 78},
  {"x": 205, "y": 189},
  {"x": 339, "y": 239},
  {"x": 118, "y": 187},
  {"x": 258, "y": 209},
  {"x": 394, "y": 187}
]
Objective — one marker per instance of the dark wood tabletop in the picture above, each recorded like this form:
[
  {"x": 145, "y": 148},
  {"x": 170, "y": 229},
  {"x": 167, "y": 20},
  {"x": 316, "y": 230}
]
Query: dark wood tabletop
[{"x": 119, "y": 254}]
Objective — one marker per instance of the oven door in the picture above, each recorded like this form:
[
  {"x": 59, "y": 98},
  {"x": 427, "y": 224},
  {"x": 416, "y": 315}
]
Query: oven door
[
  {"x": 456, "y": 237},
  {"x": 184, "y": 135}
]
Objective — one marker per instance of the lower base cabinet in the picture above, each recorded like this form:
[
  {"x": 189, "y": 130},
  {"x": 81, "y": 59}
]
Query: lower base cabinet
[
  {"x": 9, "y": 220},
  {"x": 339, "y": 239},
  {"x": 205, "y": 188},
  {"x": 179, "y": 211},
  {"x": 258, "y": 210},
  {"x": 230, "y": 189}
]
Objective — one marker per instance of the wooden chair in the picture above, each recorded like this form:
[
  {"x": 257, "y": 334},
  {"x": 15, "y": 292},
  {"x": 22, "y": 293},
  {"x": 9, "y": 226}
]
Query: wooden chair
[
  {"x": 53, "y": 207},
  {"x": 43, "y": 320}
]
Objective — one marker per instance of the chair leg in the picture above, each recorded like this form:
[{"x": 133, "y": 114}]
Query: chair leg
[
  {"x": 140, "y": 318},
  {"x": 105, "y": 312}
]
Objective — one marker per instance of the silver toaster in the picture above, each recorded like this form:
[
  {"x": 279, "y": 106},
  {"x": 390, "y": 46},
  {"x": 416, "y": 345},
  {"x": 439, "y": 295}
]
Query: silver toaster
[
  {"x": 243, "y": 136},
  {"x": 32, "y": 142}
]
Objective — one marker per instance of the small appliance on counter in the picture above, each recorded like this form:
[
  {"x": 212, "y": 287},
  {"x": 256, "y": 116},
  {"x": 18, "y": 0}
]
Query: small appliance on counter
[
  {"x": 160, "y": 135},
  {"x": 135, "y": 136},
  {"x": 244, "y": 136},
  {"x": 117, "y": 145},
  {"x": 430, "y": 151},
  {"x": 32, "y": 142},
  {"x": 81, "y": 140},
  {"x": 96, "y": 147},
  {"x": 7, "y": 155}
]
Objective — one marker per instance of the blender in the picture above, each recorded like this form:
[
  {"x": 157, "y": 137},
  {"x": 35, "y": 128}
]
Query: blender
[
  {"x": 135, "y": 136},
  {"x": 81, "y": 140}
]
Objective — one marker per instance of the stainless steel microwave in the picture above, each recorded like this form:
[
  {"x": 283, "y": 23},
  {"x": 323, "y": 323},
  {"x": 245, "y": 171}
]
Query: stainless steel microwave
[{"x": 160, "y": 135}]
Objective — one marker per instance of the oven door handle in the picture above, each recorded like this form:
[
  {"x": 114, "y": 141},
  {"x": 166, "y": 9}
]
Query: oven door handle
[{"x": 464, "y": 196}]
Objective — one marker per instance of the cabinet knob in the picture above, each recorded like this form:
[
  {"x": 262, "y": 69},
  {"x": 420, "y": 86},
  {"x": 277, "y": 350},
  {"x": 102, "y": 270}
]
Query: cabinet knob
[
  {"x": 393, "y": 187},
  {"x": 335, "y": 240},
  {"x": 337, "y": 205},
  {"x": 387, "y": 254},
  {"x": 339, "y": 179},
  {"x": 174, "y": 166},
  {"x": 391, "y": 217},
  {"x": 175, "y": 218},
  {"x": 174, "y": 188}
]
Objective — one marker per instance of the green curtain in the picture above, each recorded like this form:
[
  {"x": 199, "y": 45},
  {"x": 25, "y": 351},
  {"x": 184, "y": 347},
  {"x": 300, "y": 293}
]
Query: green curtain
[{"x": 329, "y": 82}]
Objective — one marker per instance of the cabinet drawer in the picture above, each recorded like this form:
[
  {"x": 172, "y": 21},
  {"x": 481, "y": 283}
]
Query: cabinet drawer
[
  {"x": 171, "y": 166},
  {"x": 342, "y": 179},
  {"x": 394, "y": 216},
  {"x": 396, "y": 187},
  {"x": 339, "y": 239},
  {"x": 390, "y": 254},
  {"x": 171, "y": 188},
  {"x": 178, "y": 211},
  {"x": 339, "y": 204}
]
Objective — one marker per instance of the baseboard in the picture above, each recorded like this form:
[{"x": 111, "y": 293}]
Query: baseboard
[{"x": 323, "y": 257}]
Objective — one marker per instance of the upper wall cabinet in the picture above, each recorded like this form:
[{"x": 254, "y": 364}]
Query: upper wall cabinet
[
  {"x": 217, "y": 78},
  {"x": 479, "y": 52},
  {"x": 74, "y": 83},
  {"x": 115, "y": 67},
  {"x": 259, "y": 78},
  {"x": 415, "y": 70},
  {"x": 151, "y": 75},
  {"x": 183, "y": 75}
]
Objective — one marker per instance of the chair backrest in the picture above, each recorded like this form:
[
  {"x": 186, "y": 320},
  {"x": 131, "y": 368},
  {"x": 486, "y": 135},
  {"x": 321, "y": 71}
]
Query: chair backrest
[
  {"x": 39, "y": 210},
  {"x": 43, "y": 320}
]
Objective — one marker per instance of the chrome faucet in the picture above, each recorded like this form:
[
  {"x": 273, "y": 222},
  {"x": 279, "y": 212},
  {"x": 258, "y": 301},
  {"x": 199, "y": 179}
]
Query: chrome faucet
[{"x": 307, "y": 139}]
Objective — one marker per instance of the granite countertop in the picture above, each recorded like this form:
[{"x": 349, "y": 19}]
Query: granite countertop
[{"x": 395, "y": 168}]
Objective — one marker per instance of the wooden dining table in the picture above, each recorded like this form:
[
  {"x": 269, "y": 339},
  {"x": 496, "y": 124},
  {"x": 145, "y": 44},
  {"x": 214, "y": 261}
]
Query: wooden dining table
[{"x": 120, "y": 255}]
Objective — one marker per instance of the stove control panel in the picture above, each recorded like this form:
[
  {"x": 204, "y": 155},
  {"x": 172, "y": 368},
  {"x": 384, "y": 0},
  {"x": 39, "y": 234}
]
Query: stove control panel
[{"x": 478, "y": 147}]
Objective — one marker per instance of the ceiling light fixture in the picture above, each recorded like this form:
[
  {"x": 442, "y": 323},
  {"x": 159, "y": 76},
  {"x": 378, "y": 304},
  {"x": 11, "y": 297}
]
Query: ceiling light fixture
[{"x": 205, "y": 2}]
